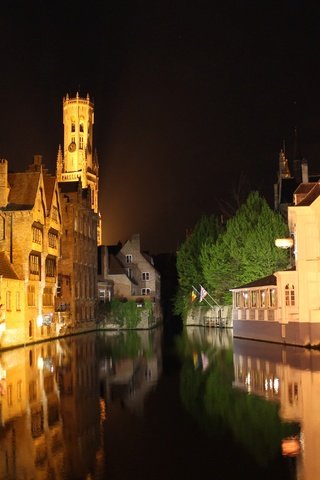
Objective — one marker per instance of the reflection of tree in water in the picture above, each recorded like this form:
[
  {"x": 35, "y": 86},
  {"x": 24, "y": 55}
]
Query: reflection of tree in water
[
  {"x": 207, "y": 394},
  {"x": 127, "y": 344}
]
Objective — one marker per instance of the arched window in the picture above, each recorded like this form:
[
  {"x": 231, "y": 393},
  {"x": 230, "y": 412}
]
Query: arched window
[{"x": 290, "y": 295}]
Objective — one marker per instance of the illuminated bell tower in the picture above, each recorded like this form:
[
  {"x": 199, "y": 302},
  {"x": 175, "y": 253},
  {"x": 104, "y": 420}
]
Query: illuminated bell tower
[{"x": 77, "y": 161}]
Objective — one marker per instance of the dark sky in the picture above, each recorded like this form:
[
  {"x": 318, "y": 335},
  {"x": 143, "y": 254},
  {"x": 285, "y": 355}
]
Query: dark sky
[{"x": 190, "y": 97}]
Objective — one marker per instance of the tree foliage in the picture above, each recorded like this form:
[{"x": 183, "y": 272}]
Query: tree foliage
[
  {"x": 189, "y": 267},
  {"x": 246, "y": 250}
]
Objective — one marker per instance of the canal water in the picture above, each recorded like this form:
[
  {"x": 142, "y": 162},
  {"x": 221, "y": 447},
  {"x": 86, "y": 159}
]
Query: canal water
[{"x": 193, "y": 403}]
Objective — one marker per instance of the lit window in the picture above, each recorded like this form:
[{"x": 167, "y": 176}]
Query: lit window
[
  {"x": 102, "y": 295},
  {"x": 263, "y": 299},
  {"x": 52, "y": 239},
  {"x": 34, "y": 264},
  {"x": 289, "y": 295},
  {"x": 8, "y": 300},
  {"x": 145, "y": 276},
  {"x": 254, "y": 299},
  {"x": 238, "y": 299},
  {"x": 47, "y": 297},
  {"x": 18, "y": 301},
  {"x": 36, "y": 235},
  {"x": 9, "y": 395},
  {"x": 273, "y": 297},
  {"x": 245, "y": 299},
  {"x": 31, "y": 297},
  {"x": 50, "y": 267}
]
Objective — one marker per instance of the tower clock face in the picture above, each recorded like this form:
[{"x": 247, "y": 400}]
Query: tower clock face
[{"x": 72, "y": 147}]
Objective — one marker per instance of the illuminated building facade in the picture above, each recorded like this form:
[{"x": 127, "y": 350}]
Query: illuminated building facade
[
  {"x": 285, "y": 307},
  {"x": 77, "y": 292},
  {"x": 127, "y": 272},
  {"x": 78, "y": 160},
  {"x": 30, "y": 219}
]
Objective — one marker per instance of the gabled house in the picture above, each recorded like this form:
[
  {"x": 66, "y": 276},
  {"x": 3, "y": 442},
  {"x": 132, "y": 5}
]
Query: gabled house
[
  {"x": 126, "y": 272},
  {"x": 30, "y": 225}
]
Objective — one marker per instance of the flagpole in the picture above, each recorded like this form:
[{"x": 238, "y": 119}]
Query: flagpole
[
  {"x": 204, "y": 298},
  {"x": 212, "y": 299}
]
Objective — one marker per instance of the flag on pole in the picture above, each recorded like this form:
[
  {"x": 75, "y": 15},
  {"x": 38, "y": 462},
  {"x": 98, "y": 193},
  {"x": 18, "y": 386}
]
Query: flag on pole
[
  {"x": 203, "y": 293},
  {"x": 193, "y": 296}
]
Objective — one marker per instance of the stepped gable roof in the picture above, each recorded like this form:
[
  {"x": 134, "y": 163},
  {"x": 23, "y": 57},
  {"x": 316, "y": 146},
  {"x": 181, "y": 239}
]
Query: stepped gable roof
[
  {"x": 311, "y": 196},
  {"x": 23, "y": 190},
  {"x": 6, "y": 269},
  {"x": 260, "y": 282}
]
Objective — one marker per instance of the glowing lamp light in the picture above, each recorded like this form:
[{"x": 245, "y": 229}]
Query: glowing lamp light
[
  {"x": 290, "y": 447},
  {"x": 40, "y": 363},
  {"x": 39, "y": 320},
  {"x": 284, "y": 242},
  {"x": 2, "y": 327}
]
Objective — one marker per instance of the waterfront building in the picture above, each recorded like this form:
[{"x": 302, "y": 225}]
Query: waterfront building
[
  {"x": 285, "y": 307},
  {"x": 77, "y": 292},
  {"x": 127, "y": 272},
  {"x": 30, "y": 219}
]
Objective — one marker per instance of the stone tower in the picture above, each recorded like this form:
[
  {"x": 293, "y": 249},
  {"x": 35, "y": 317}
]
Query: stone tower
[{"x": 77, "y": 159}]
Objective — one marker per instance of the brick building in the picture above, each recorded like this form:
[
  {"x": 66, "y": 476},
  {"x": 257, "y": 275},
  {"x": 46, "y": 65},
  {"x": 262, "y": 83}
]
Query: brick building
[{"x": 30, "y": 219}]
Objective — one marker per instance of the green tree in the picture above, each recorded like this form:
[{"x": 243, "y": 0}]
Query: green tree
[
  {"x": 246, "y": 250},
  {"x": 189, "y": 268}
]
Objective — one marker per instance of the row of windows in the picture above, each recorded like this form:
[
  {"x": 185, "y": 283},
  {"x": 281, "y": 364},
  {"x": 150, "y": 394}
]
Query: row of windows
[
  {"x": 256, "y": 298},
  {"x": 47, "y": 298},
  {"x": 73, "y": 140},
  {"x": 73, "y": 126},
  {"x": 9, "y": 305},
  {"x": 37, "y": 237},
  {"x": 263, "y": 298},
  {"x": 36, "y": 231},
  {"x": 35, "y": 265}
]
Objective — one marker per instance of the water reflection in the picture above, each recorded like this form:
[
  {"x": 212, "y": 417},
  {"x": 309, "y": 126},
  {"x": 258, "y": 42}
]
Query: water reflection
[
  {"x": 103, "y": 405},
  {"x": 54, "y": 401},
  {"x": 267, "y": 394}
]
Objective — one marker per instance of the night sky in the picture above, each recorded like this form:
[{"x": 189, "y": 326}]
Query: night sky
[{"x": 191, "y": 99}]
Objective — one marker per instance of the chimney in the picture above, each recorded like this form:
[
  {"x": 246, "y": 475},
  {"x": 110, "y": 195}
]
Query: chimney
[
  {"x": 304, "y": 171},
  {"x": 37, "y": 159},
  {"x": 4, "y": 187}
]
